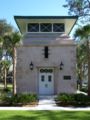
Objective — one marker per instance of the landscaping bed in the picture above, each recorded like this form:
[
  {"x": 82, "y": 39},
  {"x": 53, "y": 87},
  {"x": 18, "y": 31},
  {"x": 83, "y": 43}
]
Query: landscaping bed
[
  {"x": 74, "y": 100},
  {"x": 19, "y": 100}
]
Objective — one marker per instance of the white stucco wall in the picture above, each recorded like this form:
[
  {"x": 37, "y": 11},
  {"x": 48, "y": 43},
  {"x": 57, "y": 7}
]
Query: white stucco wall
[{"x": 27, "y": 80}]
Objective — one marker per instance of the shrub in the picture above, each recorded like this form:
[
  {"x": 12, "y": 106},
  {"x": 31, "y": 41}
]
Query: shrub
[
  {"x": 27, "y": 98},
  {"x": 84, "y": 90},
  {"x": 65, "y": 98},
  {"x": 5, "y": 100},
  {"x": 20, "y": 99},
  {"x": 81, "y": 99},
  {"x": 7, "y": 89},
  {"x": 73, "y": 99}
]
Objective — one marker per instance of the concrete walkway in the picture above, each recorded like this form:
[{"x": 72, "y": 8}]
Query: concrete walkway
[
  {"x": 46, "y": 104},
  {"x": 46, "y": 107}
]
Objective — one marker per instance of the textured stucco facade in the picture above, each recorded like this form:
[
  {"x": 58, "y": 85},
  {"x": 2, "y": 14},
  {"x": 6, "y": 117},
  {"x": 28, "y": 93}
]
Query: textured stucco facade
[
  {"x": 28, "y": 80},
  {"x": 46, "y": 77}
]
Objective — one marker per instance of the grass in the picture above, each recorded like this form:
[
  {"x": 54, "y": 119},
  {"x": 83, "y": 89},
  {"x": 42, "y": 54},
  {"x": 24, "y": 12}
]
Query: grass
[
  {"x": 44, "y": 115},
  {"x": 8, "y": 86}
]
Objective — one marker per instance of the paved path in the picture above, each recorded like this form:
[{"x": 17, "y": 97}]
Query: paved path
[
  {"x": 46, "y": 107},
  {"x": 46, "y": 104}
]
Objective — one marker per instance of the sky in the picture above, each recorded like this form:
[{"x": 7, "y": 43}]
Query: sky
[{"x": 10, "y": 8}]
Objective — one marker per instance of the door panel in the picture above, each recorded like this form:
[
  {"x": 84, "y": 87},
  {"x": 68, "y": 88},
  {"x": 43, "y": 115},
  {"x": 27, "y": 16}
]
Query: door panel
[{"x": 46, "y": 83}]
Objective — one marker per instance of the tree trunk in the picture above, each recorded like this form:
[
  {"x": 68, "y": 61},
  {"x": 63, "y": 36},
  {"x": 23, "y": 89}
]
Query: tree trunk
[
  {"x": 89, "y": 76},
  {"x": 14, "y": 70},
  {"x": 81, "y": 77},
  {"x": 88, "y": 55},
  {"x": 5, "y": 78}
]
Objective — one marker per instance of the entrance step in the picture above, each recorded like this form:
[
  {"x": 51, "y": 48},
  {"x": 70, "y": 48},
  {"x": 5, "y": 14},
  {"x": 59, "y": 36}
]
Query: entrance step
[
  {"x": 47, "y": 100},
  {"x": 47, "y": 97}
]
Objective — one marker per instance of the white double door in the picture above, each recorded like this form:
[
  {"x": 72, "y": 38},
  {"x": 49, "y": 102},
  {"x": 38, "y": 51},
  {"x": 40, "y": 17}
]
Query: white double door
[{"x": 46, "y": 84}]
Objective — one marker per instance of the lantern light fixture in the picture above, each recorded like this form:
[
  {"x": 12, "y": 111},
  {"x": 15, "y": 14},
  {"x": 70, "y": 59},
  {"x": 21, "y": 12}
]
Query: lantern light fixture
[
  {"x": 31, "y": 65},
  {"x": 61, "y": 65}
]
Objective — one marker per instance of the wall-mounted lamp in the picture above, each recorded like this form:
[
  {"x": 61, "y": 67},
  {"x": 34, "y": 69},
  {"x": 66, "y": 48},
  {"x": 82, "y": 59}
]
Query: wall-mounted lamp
[
  {"x": 61, "y": 65},
  {"x": 31, "y": 66}
]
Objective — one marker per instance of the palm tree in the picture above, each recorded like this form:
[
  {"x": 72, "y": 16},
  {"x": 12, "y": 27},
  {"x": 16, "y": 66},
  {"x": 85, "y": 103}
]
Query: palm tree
[
  {"x": 12, "y": 40},
  {"x": 5, "y": 28},
  {"x": 84, "y": 34},
  {"x": 81, "y": 63},
  {"x": 5, "y": 66}
]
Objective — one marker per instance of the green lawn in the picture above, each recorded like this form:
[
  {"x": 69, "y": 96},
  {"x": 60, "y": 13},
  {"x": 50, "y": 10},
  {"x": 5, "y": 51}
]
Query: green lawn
[{"x": 44, "y": 115}]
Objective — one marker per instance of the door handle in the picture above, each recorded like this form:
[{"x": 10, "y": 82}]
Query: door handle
[{"x": 46, "y": 85}]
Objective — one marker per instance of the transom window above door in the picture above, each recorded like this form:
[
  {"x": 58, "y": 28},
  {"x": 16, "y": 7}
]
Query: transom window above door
[
  {"x": 45, "y": 27},
  {"x": 46, "y": 70}
]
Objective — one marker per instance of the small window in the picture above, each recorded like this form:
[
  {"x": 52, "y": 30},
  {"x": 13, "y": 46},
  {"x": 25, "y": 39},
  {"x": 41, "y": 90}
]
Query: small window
[
  {"x": 42, "y": 78},
  {"x": 67, "y": 77},
  {"x": 46, "y": 70},
  {"x": 46, "y": 51},
  {"x": 33, "y": 27},
  {"x": 49, "y": 78},
  {"x": 46, "y": 27},
  {"x": 58, "y": 27}
]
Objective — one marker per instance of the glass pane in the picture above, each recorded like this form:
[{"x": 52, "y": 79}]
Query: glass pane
[
  {"x": 46, "y": 70},
  {"x": 58, "y": 27},
  {"x": 46, "y": 27},
  {"x": 42, "y": 78},
  {"x": 67, "y": 77},
  {"x": 49, "y": 78},
  {"x": 33, "y": 27},
  {"x": 46, "y": 52}
]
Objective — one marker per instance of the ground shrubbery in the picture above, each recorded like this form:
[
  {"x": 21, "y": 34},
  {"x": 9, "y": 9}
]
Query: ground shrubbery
[
  {"x": 84, "y": 90},
  {"x": 19, "y": 99},
  {"x": 64, "y": 99}
]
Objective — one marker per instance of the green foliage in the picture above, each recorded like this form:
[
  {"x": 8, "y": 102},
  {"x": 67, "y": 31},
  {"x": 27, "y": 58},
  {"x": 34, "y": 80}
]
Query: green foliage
[
  {"x": 20, "y": 99},
  {"x": 5, "y": 28},
  {"x": 5, "y": 64},
  {"x": 44, "y": 115},
  {"x": 78, "y": 7},
  {"x": 84, "y": 89},
  {"x": 81, "y": 100},
  {"x": 8, "y": 41},
  {"x": 83, "y": 32},
  {"x": 83, "y": 51},
  {"x": 15, "y": 38},
  {"x": 7, "y": 90},
  {"x": 82, "y": 60},
  {"x": 79, "y": 97},
  {"x": 64, "y": 97},
  {"x": 73, "y": 99},
  {"x": 11, "y": 40}
]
